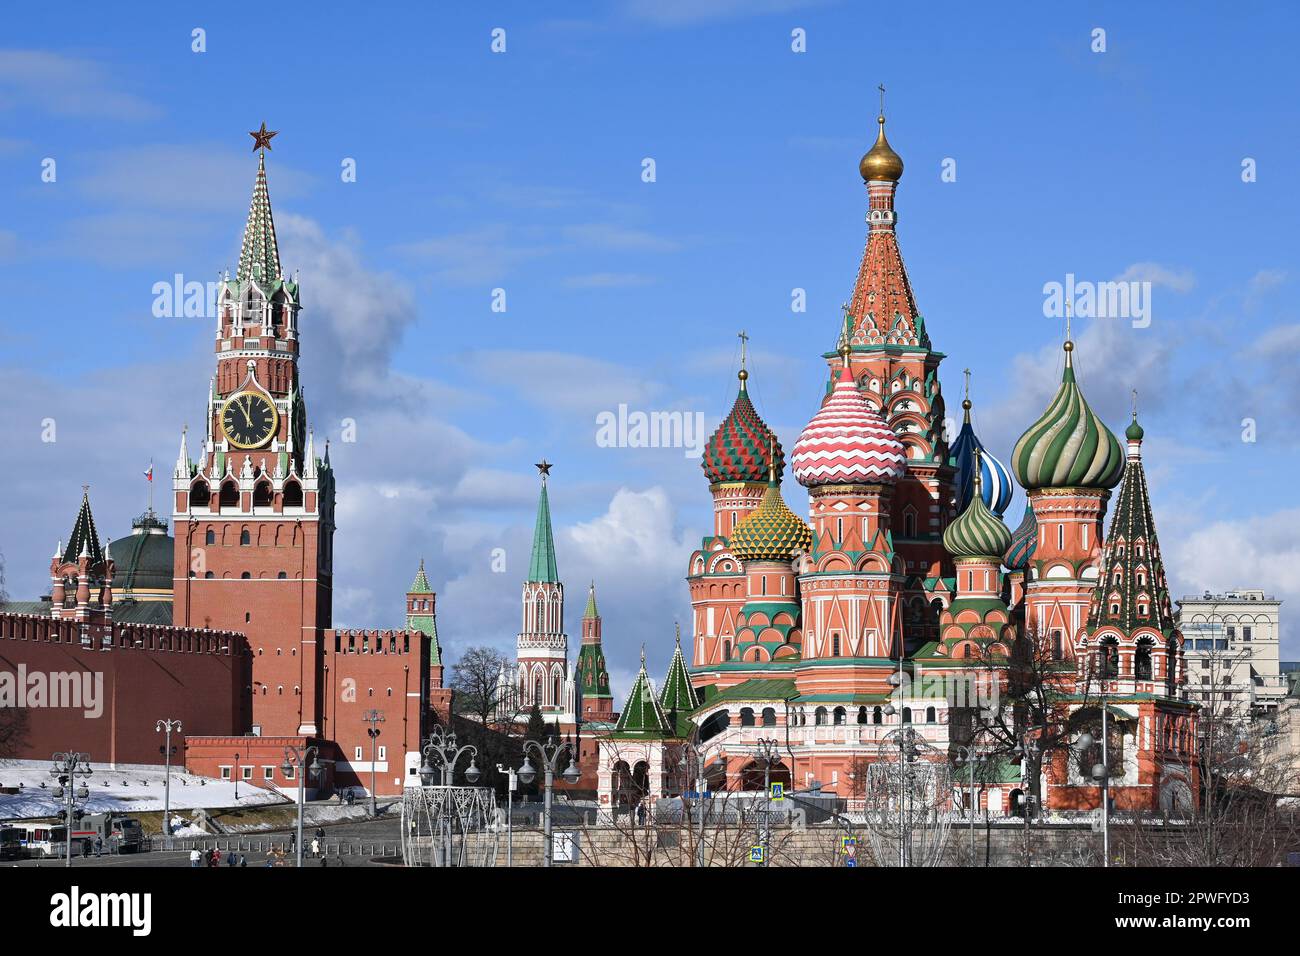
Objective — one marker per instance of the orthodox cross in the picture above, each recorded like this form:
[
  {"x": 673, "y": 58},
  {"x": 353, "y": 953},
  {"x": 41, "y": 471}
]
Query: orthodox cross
[
  {"x": 744, "y": 339},
  {"x": 966, "y": 372},
  {"x": 881, "y": 87}
]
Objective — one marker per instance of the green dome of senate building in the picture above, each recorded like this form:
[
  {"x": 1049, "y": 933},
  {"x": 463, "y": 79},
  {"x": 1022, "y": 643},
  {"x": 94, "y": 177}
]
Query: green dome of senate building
[{"x": 143, "y": 561}]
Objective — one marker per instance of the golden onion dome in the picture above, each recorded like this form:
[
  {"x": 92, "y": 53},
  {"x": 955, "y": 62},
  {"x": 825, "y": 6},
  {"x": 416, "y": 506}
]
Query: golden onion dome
[
  {"x": 771, "y": 532},
  {"x": 881, "y": 162}
]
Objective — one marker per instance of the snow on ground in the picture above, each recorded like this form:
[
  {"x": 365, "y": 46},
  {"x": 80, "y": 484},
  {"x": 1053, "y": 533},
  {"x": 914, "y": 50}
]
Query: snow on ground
[{"x": 127, "y": 787}]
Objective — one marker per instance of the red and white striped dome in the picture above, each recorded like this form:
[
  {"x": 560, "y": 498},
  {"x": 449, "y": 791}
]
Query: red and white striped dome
[{"x": 847, "y": 442}]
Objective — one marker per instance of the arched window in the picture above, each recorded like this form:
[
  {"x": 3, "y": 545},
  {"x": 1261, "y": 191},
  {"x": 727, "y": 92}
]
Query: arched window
[
  {"x": 244, "y": 537},
  {"x": 747, "y": 716},
  {"x": 200, "y": 495},
  {"x": 262, "y": 494},
  {"x": 877, "y": 716},
  {"x": 1142, "y": 659},
  {"x": 907, "y": 715},
  {"x": 715, "y": 725},
  {"x": 246, "y": 576},
  {"x": 208, "y": 574},
  {"x": 819, "y": 716},
  {"x": 835, "y": 644},
  {"x": 839, "y": 716},
  {"x": 210, "y": 537},
  {"x": 862, "y": 715},
  {"x": 929, "y": 715},
  {"x": 769, "y": 717},
  {"x": 229, "y": 494},
  {"x": 537, "y": 692}
]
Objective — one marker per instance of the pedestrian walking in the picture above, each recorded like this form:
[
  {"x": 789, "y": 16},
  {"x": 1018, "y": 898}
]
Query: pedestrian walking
[
  {"x": 230, "y": 858},
  {"x": 99, "y": 846},
  {"x": 243, "y": 860},
  {"x": 194, "y": 857},
  {"x": 315, "y": 847}
]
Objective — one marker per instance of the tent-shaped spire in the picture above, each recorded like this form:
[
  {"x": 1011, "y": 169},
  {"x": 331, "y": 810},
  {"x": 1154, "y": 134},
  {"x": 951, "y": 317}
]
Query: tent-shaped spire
[
  {"x": 421, "y": 583},
  {"x": 84, "y": 538},
  {"x": 542, "y": 566},
  {"x": 259, "y": 255},
  {"x": 642, "y": 716},
  {"x": 1131, "y": 589},
  {"x": 591, "y": 611},
  {"x": 678, "y": 694}
]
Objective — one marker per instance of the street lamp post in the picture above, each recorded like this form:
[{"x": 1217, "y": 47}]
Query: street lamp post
[
  {"x": 970, "y": 757},
  {"x": 295, "y": 762},
  {"x": 510, "y": 812},
  {"x": 167, "y": 726},
  {"x": 236, "y": 778},
  {"x": 374, "y": 718},
  {"x": 442, "y": 747},
  {"x": 768, "y": 752},
  {"x": 548, "y": 755},
  {"x": 67, "y": 768},
  {"x": 1101, "y": 773}
]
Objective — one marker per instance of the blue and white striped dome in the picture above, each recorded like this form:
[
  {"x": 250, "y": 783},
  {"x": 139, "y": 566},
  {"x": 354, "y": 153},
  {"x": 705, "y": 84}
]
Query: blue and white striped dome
[{"x": 996, "y": 486}]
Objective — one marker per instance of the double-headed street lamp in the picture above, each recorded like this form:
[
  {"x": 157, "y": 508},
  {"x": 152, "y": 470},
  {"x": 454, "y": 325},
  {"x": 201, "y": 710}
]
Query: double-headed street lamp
[
  {"x": 167, "y": 749},
  {"x": 548, "y": 755},
  {"x": 1101, "y": 773},
  {"x": 67, "y": 768},
  {"x": 442, "y": 747},
  {"x": 295, "y": 763}
]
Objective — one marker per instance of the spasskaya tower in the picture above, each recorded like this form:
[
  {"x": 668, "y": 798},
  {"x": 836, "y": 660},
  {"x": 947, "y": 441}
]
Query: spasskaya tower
[{"x": 254, "y": 510}]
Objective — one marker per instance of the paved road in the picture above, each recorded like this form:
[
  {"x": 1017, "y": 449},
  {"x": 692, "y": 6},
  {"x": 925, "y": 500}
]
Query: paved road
[{"x": 356, "y": 833}]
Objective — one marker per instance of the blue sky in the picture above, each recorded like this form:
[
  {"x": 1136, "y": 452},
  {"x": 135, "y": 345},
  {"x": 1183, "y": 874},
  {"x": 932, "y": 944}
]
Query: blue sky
[{"x": 522, "y": 171}]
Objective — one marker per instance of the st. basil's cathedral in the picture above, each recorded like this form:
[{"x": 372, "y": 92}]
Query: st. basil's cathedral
[{"x": 822, "y": 634}]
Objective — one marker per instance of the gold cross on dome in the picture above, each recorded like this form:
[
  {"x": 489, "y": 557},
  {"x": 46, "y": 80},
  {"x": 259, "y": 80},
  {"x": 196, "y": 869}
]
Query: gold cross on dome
[
  {"x": 744, "y": 339},
  {"x": 881, "y": 87}
]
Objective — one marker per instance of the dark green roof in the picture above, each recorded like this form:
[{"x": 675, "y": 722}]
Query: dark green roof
[
  {"x": 142, "y": 612},
  {"x": 421, "y": 583},
  {"x": 642, "y": 716},
  {"x": 758, "y": 689},
  {"x": 84, "y": 535},
  {"x": 542, "y": 566},
  {"x": 143, "y": 561}
]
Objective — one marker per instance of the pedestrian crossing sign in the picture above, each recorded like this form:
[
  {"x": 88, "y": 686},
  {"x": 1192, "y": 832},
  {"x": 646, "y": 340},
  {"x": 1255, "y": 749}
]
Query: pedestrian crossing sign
[
  {"x": 756, "y": 853},
  {"x": 777, "y": 791}
]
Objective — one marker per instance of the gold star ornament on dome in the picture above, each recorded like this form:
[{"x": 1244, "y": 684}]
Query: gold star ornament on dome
[{"x": 262, "y": 137}]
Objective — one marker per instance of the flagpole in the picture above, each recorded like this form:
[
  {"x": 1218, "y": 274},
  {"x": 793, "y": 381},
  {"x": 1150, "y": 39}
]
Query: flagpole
[{"x": 150, "y": 485}]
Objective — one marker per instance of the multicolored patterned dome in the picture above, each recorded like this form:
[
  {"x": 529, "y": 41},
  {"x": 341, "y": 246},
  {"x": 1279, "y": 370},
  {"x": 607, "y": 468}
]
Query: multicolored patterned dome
[
  {"x": 1070, "y": 446},
  {"x": 995, "y": 481},
  {"x": 1023, "y": 542},
  {"x": 847, "y": 442},
  {"x": 977, "y": 532},
  {"x": 743, "y": 448},
  {"x": 771, "y": 532}
]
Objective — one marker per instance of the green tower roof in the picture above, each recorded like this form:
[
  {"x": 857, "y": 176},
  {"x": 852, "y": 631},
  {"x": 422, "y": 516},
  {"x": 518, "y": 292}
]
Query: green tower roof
[
  {"x": 642, "y": 715},
  {"x": 259, "y": 256},
  {"x": 591, "y": 611},
  {"x": 421, "y": 584},
  {"x": 84, "y": 535},
  {"x": 542, "y": 566}
]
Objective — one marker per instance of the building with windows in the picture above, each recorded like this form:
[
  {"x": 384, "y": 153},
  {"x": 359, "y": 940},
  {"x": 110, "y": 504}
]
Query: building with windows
[{"x": 1233, "y": 642}]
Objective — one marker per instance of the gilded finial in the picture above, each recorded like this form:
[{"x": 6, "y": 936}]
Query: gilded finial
[
  {"x": 678, "y": 625},
  {"x": 965, "y": 402},
  {"x": 643, "y": 656},
  {"x": 1069, "y": 338},
  {"x": 978, "y": 479},
  {"x": 771, "y": 459},
  {"x": 743, "y": 374},
  {"x": 881, "y": 163}
]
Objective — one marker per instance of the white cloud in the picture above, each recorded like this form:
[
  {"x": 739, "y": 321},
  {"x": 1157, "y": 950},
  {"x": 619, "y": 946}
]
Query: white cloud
[
  {"x": 1258, "y": 552},
  {"x": 66, "y": 86},
  {"x": 1159, "y": 276}
]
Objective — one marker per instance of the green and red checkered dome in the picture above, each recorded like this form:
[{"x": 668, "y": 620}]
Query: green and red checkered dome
[{"x": 742, "y": 447}]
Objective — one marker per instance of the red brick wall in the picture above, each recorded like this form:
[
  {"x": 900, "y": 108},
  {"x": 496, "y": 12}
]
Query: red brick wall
[
  {"x": 387, "y": 671},
  {"x": 148, "y": 673},
  {"x": 282, "y": 617}
]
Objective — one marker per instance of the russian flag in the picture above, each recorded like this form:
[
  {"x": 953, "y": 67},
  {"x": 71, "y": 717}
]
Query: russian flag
[{"x": 149, "y": 474}]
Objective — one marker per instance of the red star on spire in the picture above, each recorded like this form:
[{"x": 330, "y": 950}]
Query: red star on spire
[{"x": 262, "y": 137}]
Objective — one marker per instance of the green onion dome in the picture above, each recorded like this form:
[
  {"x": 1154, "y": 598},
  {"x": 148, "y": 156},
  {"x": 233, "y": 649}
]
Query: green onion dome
[
  {"x": 771, "y": 532},
  {"x": 1023, "y": 542},
  {"x": 977, "y": 532},
  {"x": 1070, "y": 446},
  {"x": 1134, "y": 432},
  {"x": 743, "y": 448}
]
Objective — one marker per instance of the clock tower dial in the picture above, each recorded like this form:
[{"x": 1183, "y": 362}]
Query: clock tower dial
[{"x": 249, "y": 420}]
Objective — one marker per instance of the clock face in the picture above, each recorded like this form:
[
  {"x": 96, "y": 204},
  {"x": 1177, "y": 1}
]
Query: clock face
[{"x": 249, "y": 420}]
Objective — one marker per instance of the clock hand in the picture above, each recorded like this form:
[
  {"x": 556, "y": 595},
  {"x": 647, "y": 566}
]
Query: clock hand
[{"x": 248, "y": 402}]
